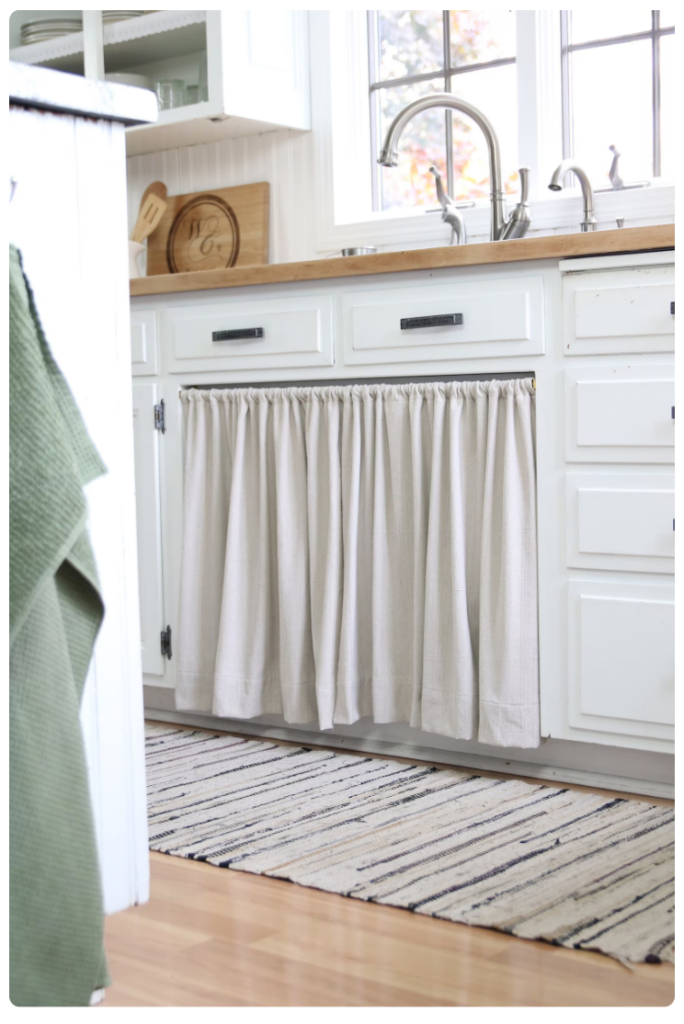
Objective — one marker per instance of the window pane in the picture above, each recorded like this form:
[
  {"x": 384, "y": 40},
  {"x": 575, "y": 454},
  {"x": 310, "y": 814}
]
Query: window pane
[
  {"x": 409, "y": 43},
  {"x": 494, "y": 91},
  {"x": 423, "y": 143},
  {"x": 611, "y": 92},
  {"x": 478, "y": 36},
  {"x": 670, "y": 120},
  {"x": 596, "y": 23},
  {"x": 667, "y": 17}
]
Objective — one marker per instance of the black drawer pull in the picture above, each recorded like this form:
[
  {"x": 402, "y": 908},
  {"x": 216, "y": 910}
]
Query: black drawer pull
[
  {"x": 442, "y": 320},
  {"x": 672, "y": 308},
  {"x": 242, "y": 335}
]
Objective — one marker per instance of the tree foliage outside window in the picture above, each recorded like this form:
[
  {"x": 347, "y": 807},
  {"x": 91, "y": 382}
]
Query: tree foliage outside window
[{"x": 469, "y": 53}]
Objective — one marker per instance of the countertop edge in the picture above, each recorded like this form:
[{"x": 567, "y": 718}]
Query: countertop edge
[
  {"x": 613, "y": 242},
  {"x": 62, "y": 93}
]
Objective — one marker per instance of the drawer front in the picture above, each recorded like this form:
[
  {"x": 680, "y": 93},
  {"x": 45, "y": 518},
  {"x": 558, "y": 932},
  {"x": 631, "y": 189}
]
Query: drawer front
[
  {"x": 619, "y": 311},
  {"x": 622, "y": 658},
  {"x": 144, "y": 358},
  {"x": 260, "y": 335},
  {"x": 620, "y": 414},
  {"x": 492, "y": 319},
  {"x": 621, "y": 521}
]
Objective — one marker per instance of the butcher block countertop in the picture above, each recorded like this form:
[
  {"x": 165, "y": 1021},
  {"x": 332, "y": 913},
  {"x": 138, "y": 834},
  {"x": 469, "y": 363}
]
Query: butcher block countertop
[{"x": 595, "y": 243}]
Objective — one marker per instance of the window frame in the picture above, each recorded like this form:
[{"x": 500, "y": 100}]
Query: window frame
[{"x": 654, "y": 34}]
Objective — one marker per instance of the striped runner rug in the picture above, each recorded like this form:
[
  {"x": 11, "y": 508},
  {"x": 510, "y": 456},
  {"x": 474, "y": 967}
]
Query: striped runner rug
[{"x": 574, "y": 869}]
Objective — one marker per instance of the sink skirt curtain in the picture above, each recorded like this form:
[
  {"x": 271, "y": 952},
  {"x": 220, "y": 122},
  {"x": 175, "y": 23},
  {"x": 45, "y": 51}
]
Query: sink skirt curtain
[{"x": 367, "y": 550}]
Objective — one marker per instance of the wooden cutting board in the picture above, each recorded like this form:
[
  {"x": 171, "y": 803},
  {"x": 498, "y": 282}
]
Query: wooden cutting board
[{"x": 213, "y": 230}]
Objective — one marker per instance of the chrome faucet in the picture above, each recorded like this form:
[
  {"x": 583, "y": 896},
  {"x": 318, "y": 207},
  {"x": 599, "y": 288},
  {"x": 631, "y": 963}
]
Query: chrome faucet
[
  {"x": 502, "y": 228},
  {"x": 556, "y": 184}
]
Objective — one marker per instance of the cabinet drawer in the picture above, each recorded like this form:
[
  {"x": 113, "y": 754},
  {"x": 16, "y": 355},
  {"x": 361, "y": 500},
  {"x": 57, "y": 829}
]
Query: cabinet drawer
[
  {"x": 503, "y": 318},
  {"x": 622, "y": 658},
  {"x": 143, "y": 342},
  {"x": 289, "y": 333},
  {"x": 620, "y": 414},
  {"x": 621, "y": 521},
  {"x": 618, "y": 311}
]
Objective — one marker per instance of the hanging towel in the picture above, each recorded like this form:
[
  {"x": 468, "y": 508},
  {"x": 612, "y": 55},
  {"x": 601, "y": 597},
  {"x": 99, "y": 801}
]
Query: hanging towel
[
  {"x": 367, "y": 550},
  {"x": 56, "y": 917}
]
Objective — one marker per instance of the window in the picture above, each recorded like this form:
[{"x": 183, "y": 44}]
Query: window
[
  {"x": 617, "y": 74},
  {"x": 415, "y": 53},
  {"x": 607, "y": 77}
]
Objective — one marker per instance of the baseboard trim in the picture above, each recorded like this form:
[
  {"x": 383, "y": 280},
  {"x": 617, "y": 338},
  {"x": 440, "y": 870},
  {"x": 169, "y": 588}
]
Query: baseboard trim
[{"x": 398, "y": 748}]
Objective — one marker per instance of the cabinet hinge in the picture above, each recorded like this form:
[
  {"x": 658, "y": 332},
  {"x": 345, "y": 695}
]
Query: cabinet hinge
[
  {"x": 165, "y": 636},
  {"x": 160, "y": 417}
]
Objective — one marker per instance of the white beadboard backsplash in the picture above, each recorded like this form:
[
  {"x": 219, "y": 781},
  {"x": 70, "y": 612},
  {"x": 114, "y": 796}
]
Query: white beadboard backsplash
[{"x": 284, "y": 158}]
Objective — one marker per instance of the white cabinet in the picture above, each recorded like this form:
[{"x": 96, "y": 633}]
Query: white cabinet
[
  {"x": 144, "y": 346},
  {"x": 148, "y": 505},
  {"x": 605, "y": 439},
  {"x": 620, "y": 521},
  {"x": 615, "y": 311},
  {"x": 446, "y": 321},
  {"x": 614, "y": 627},
  {"x": 617, "y": 413},
  {"x": 257, "y": 65},
  {"x": 262, "y": 334},
  {"x": 621, "y": 646}
]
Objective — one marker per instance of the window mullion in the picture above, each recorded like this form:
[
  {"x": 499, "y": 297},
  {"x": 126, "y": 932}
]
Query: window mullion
[
  {"x": 448, "y": 116},
  {"x": 566, "y": 100},
  {"x": 376, "y": 181},
  {"x": 655, "y": 42}
]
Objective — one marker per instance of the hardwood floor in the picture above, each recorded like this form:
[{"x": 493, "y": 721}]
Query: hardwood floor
[{"x": 214, "y": 937}]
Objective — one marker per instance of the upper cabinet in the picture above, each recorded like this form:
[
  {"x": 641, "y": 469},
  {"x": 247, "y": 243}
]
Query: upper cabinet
[{"x": 241, "y": 71}]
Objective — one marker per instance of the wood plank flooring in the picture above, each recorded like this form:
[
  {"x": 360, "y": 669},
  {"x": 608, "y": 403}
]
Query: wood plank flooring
[{"x": 214, "y": 937}]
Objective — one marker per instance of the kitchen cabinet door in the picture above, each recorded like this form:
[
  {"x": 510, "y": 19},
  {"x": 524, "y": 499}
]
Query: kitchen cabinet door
[
  {"x": 621, "y": 670},
  {"x": 148, "y": 511}
]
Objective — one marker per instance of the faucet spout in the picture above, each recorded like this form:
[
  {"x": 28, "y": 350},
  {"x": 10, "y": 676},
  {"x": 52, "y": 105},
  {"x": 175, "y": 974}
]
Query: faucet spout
[
  {"x": 389, "y": 154},
  {"x": 556, "y": 185}
]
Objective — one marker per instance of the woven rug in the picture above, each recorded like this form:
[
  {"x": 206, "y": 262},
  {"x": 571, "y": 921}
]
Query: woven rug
[{"x": 574, "y": 869}]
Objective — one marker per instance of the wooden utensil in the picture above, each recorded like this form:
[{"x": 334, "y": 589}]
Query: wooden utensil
[
  {"x": 225, "y": 227},
  {"x": 159, "y": 189},
  {"x": 151, "y": 212}
]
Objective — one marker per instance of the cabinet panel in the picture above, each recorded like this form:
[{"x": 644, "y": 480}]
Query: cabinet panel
[
  {"x": 621, "y": 646},
  {"x": 619, "y": 311},
  {"x": 495, "y": 318},
  {"x": 143, "y": 342},
  {"x": 621, "y": 521},
  {"x": 148, "y": 518},
  {"x": 290, "y": 333},
  {"x": 620, "y": 414}
]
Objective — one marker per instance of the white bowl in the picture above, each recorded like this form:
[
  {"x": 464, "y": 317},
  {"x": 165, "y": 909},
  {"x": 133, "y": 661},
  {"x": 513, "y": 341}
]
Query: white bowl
[{"x": 127, "y": 78}]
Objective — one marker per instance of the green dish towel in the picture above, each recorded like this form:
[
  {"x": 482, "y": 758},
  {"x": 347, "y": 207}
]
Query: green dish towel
[{"x": 56, "y": 916}]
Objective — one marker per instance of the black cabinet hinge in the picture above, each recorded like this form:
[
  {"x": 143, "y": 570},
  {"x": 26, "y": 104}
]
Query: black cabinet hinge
[
  {"x": 166, "y": 643},
  {"x": 160, "y": 417}
]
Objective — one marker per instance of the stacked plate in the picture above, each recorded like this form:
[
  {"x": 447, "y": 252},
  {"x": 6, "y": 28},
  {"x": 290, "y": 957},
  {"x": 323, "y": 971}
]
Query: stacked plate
[
  {"x": 108, "y": 17},
  {"x": 49, "y": 28}
]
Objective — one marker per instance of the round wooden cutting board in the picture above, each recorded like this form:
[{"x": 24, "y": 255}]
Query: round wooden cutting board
[{"x": 204, "y": 235}]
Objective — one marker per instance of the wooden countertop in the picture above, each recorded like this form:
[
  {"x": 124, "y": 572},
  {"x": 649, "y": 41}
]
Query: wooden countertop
[{"x": 595, "y": 243}]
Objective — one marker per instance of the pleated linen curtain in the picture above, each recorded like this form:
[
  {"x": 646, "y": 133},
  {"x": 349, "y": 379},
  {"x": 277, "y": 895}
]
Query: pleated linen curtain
[{"x": 367, "y": 550}]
